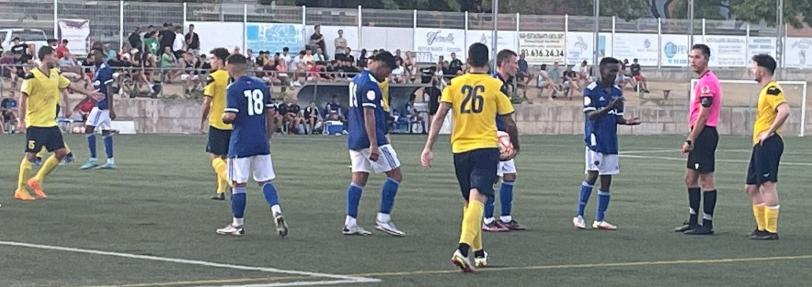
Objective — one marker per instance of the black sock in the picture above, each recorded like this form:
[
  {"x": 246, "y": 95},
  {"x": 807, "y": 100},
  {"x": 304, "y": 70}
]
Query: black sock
[
  {"x": 694, "y": 197},
  {"x": 709, "y": 206},
  {"x": 479, "y": 253},
  {"x": 464, "y": 249}
]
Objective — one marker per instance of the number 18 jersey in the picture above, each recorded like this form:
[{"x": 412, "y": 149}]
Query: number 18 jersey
[
  {"x": 476, "y": 100},
  {"x": 249, "y": 98}
]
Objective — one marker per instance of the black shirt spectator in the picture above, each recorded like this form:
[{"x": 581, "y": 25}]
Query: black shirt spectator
[
  {"x": 294, "y": 109},
  {"x": 192, "y": 40},
  {"x": 167, "y": 38},
  {"x": 635, "y": 69},
  {"x": 317, "y": 39},
  {"x": 454, "y": 66},
  {"x": 282, "y": 109},
  {"x": 308, "y": 111},
  {"x": 135, "y": 40}
]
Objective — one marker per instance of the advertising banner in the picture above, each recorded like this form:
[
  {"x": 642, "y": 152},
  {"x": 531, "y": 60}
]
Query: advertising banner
[
  {"x": 273, "y": 37},
  {"x": 542, "y": 47},
  {"x": 642, "y": 47},
  {"x": 507, "y": 39},
  {"x": 76, "y": 32},
  {"x": 440, "y": 42}
]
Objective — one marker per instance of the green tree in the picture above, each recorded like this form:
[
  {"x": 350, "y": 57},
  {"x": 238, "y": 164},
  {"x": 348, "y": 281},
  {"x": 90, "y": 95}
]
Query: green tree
[{"x": 796, "y": 12}]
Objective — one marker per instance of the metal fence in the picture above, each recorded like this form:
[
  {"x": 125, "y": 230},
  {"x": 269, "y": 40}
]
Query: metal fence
[{"x": 112, "y": 21}]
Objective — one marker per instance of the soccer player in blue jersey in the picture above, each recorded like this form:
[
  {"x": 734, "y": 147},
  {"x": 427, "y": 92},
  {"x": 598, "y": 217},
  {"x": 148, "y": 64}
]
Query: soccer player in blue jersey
[
  {"x": 101, "y": 115},
  {"x": 506, "y": 68},
  {"x": 370, "y": 151},
  {"x": 603, "y": 111},
  {"x": 250, "y": 112}
]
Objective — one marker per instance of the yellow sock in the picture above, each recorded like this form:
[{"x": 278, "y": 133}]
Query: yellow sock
[
  {"x": 67, "y": 148},
  {"x": 25, "y": 169},
  {"x": 758, "y": 213},
  {"x": 478, "y": 239},
  {"x": 47, "y": 167},
  {"x": 472, "y": 223},
  {"x": 219, "y": 166},
  {"x": 771, "y": 218}
]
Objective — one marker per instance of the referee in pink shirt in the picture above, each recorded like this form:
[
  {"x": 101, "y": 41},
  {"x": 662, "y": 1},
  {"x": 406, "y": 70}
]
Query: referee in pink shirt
[{"x": 700, "y": 145}]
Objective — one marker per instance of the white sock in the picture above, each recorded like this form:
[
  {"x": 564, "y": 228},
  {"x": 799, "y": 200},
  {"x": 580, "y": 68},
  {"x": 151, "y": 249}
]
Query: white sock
[
  {"x": 111, "y": 161},
  {"x": 92, "y": 159},
  {"x": 506, "y": 218},
  {"x": 238, "y": 221},
  {"x": 489, "y": 220},
  {"x": 349, "y": 221},
  {"x": 383, "y": 217},
  {"x": 276, "y": 209}
]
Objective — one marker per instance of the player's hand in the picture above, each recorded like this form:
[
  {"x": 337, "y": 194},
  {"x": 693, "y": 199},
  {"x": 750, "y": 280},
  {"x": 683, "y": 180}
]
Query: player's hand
[
  {"x": 67, "y": 113},
  {"x": 633, "y": 121},
  {"x": 763, "y": 137},
  {"x": 615, "y": 102},
  {"x": 425, "y": 158},
  {"x": 112, "y": 115},
  {"x": 374, "y": 153},
  {"x": 20, "y": 126},
  {"x": 511, "y": 154},
  {"x": 97, "y": 95},
  {"x": 686, "y": 148}
]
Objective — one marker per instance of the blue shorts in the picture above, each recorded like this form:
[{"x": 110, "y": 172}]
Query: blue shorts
[{"x": 476, "y": 169}]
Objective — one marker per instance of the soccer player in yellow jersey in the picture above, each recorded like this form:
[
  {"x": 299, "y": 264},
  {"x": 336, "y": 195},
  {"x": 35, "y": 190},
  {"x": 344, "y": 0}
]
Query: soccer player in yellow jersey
[
  {"x": 476, "y": 99},
  {"x": 39, "y": 97},
  {"x": 214, "y": 103},
  {"x": 762, "y": 175}
]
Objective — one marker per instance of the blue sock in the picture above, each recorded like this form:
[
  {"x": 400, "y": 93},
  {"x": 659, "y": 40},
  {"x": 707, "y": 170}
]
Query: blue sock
[
  {"x": 586, "y": 191},
  {"x": 603, "y": 204},
  {"x": 270, "y": 193},
  {"x": 489, "y": 207},
  {"x": 238, "y": 202},
  {"x": 353, "y": 199},
  {"x": 506, "y": 197},
  {"x": 91, "y": 145},
  {"x": 390, "y": 189},
  {"x": 108, "y": 146}
]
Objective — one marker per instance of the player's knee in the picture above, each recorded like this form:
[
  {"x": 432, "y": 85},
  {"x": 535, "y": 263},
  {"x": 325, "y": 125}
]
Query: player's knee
[
  {"x": 690, "y": 178},
  {"x": 360, "y": 178},
  {"x": 395, "y": 174},
  {"x": 706, "y": 182},
  {"x": 31, "y": 157},
  {"x": 89, "y": 129},
  {"x": 236, "y": 184},
  {"x": 60, "y": 153}
]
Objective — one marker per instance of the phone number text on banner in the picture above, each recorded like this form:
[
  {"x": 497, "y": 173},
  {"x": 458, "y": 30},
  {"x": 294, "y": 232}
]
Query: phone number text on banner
[{"x": 542, "y": 47}]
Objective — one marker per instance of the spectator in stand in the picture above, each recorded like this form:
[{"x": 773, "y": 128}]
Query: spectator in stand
[
  {"x": 335, "y": 106},
  {"x": 236, "y": 51},
  {"x": 545, "y": 82},
  {"x": 638, "y": 76},
  {"x": 298, "y": 68},
  {"x": 349, "y": 57},
  {"x": 455, "y": 66},
  {"x": 70, "y": 67},
  {"x": 192, "y": 40},
  {"x": 178, "y": 46},
  {"x": 151, "y": 43},
  {"x": 319, "y": 58},
  {"x": 524, "y": 75},
  {"x": 398, "y": 55},
  {"x": 623, "y": 77},
  {"x": 362, "y": 59},
  {"x": 317, "y": 39},
  {"x": 135, "y": 39},
  {"x": 397, "y": 74},
  {"x": 308, "y": 57},
  {"x": 282, "y": 68},
  {"x": 286, "y": 56},
  {"x": 294, "y": 117},
  {"x": 341, "y": 46},
  {"x": 166, "y": 38},
  {"x": 190, "y": 75},
  {"x": 249, "y": 54},
  {"x": 167, "y": 64},
  {"x": 8, "y": 119},
  {"x": 62, "y": 48},
  {"x": 312, "y": 116},
  {"x": 53, "y": 43},
  {"x": 109, "y": 52},
  {"x": 555, "y": 73}
]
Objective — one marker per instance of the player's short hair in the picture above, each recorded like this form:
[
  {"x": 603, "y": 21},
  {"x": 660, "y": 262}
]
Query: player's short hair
[
  {"x": 478, "y": 55},
  {"x": 608, "y": 61},
  {"x": 503, "y": 56},
  {"x": 44, "y": 51},
  {"x": 385, "y": 57},
  {"x": 702, "y": 48},
  {"x": 236, "y": 59},
  {"x": 220, "y": 53},
  {"x": 766, "y": 61}
]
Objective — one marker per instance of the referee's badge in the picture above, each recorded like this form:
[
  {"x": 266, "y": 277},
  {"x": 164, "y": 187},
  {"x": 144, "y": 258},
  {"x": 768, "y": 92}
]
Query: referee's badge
[{"x": 705, "y": 90}]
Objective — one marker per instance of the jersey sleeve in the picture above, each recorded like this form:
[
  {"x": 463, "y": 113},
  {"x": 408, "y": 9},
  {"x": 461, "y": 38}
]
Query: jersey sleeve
[
  {"x": 64, "y": 83},
  {"x": 589, "y": 103},
  {"x": 371, "y": 96},
  {"x": 233, "y": 98},
  {"x": 106, "y": 76},
  {"x": 775, "y": 97},
  {"x": 707, "y": 91},
  {"x": 503, "y": 104},
  {"x": 268, "y": 99},
  {"x": 448, "y": 94},
  {"x": 208, "y": 91},
  {"x": 27, "y": 86}
]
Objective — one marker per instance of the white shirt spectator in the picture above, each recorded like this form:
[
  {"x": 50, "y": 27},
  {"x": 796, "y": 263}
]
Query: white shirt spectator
[{"x": 178, "y": 44}]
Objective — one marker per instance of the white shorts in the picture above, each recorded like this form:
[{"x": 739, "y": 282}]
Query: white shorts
[
  {"x": 260, "y": 166},
  {"x": 387, "y": 160},
  {"x": 99, "y": 118},
  {"x": 508, "y": 166},
  {"x": 604, "y": 164}
]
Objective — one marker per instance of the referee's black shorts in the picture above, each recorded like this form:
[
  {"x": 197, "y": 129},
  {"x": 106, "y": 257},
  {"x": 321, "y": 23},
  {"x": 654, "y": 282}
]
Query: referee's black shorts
[
  {"x": 48, "y": 137},
  {"x": 218, "y": 141},
  {"x": 764, "y": 161},
  {"x": 476, "y": 169},
  {"x": 703, "y": 157}
]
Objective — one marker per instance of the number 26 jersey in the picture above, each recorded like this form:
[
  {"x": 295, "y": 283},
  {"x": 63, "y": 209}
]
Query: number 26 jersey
[{"x": 476, "y": 99}]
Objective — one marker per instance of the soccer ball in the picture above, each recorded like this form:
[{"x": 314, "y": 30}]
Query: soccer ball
[{"x": 505, "y": 146}]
